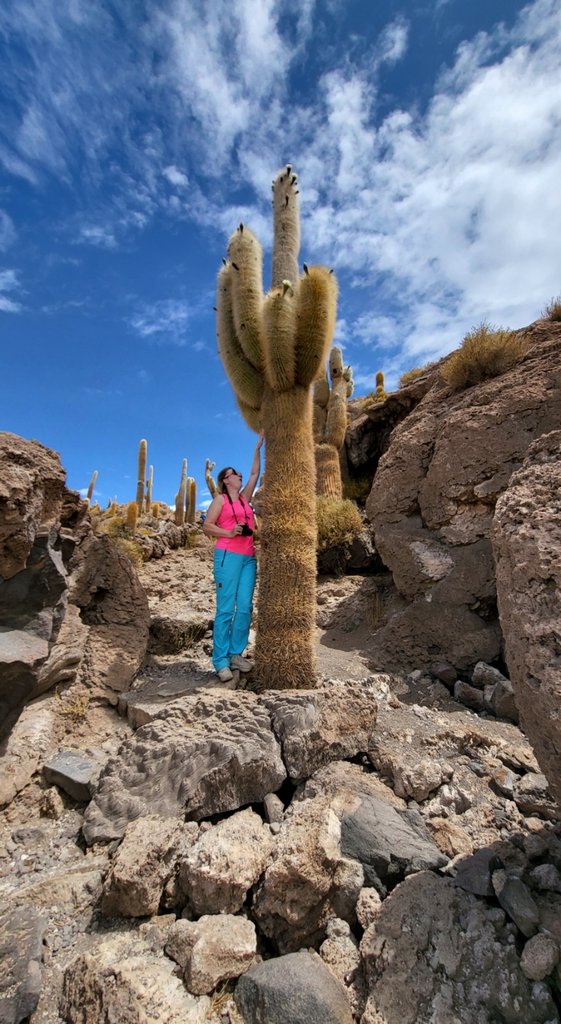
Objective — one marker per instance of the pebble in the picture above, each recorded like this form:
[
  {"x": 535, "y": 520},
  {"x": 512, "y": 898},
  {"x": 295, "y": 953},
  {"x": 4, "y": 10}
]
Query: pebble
[{"x": 539, "y": 957}]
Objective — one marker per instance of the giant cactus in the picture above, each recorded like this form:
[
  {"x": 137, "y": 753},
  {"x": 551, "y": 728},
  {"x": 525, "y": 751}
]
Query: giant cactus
[
  {"x": 210, "y": 481},
  {"x": 91, "y": 485},
  {"x": 149, "y": 486},
  {"x": 330, "y": 423},
  {"x": 181, "y": 496},
  {"x": 191, "y": 499},
  {"x": 273, "y": 348},
  {"x": 142, "y": 456}
]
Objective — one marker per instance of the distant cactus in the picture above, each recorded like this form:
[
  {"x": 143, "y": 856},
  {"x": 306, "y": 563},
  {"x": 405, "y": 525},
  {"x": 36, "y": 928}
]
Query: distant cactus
[
  {"x": 181, "y": 496},
  {"x": 330, "y": 423},
  {"x": 149, "y": 485},
  {"x": 132, "y": 516},
  {"x": 191, "y": 499},
  {"x": 273, "y": 347},
  {"x": 91, "y": 485},
  {"x": 142, "y": 457},
  {"x": 209, "y": 479}
]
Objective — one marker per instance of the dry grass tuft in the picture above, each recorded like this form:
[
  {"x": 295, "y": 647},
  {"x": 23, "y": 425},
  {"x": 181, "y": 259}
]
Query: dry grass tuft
[
  {"x": 339, "y": 522},
  {"x": 553, "y": 310},
  {"x": 74, "y": 708},
  {"x": 131, "y": 549},
  {"x": 485, "y": 352},
  {"x": 410, "y": 375}
]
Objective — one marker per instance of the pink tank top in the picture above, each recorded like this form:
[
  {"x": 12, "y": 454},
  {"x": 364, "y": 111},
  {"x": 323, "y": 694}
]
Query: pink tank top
[{"x": 227, "y": 520}]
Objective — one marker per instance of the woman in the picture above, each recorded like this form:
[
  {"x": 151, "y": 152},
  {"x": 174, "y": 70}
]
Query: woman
[{"x": 230, "y": 520}]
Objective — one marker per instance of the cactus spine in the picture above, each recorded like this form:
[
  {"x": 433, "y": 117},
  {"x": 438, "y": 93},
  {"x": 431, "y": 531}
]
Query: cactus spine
[
  {"x": 273, "y": 348},
  {"x": 149, "y": 485},
  {"x": 142, "y": 456},
  {"x": 330, "y": 423},
  {"x": 209, "y": 479},
  {"x": 191, "y": 499},
  {"x": 91, "y": 485},
  {"x": 181, "y": 496}
]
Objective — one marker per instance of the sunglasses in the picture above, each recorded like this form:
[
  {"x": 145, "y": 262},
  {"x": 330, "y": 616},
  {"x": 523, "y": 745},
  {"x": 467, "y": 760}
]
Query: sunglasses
[{"x": 232, "y": 473}]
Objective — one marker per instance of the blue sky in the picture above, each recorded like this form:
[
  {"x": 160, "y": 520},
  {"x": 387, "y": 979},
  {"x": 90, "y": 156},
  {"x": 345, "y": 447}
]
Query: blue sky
[{"x": 136, "y": 135}]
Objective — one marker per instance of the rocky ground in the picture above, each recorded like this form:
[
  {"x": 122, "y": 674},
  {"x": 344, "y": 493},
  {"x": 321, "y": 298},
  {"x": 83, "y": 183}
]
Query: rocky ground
[{"x": 372, "y": 850}]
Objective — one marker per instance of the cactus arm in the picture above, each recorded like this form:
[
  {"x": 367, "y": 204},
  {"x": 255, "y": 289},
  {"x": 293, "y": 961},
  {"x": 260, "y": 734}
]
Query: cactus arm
[
  {"x": 246, "y": 275},
  {"x": 91, "y": 485},
  {"x": 286, "y": 220},
  {"x": 279, "y": 315},
  {"x": 191, "y": 499},
  {"x": 209, "y": 479},
  {"x": 336, "y": 424},
  {"x": 317, "y": 308},
  {"x": 246, "y": 380}
]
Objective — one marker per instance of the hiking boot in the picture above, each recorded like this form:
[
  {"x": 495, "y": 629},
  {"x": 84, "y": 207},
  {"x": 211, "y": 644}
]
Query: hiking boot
[
  {"x": 224, "y": 674},
  {"x": 241, "y": 664}
]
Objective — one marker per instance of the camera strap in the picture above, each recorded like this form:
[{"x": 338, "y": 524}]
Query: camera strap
[{"x": 242, "y": 503}]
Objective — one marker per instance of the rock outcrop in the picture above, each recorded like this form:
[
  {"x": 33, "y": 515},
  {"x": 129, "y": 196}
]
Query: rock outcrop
[
  {"x": 433, "y": 499},
  {"x": 527, "y": 546},
  {"x": 71, "y": 606}
]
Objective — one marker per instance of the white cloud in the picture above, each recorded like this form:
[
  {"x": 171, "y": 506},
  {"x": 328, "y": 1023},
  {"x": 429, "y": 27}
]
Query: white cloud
[
  {"x": 392, "y": 43},
  {"x": 175, "y": 176},
  {"x": 103, "y": 237},
  {"x": 167, "y": 318},
  {"x": 9, "y": 283}
]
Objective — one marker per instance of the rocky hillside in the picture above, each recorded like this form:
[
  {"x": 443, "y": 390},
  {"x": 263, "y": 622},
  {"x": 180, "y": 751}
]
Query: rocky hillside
[{"x": 383, "y": 848}]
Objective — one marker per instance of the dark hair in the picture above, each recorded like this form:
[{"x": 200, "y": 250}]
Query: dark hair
[{"x": 220, "y": 478}]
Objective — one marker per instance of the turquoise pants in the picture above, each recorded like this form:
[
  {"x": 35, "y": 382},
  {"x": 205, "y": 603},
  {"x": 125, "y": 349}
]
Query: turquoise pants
[{"x": 234, "y": 578}]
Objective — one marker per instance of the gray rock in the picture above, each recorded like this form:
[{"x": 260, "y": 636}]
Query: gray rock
[
  {"x": 445, "y": 672},
  {"x": 531, "y": 794},
  {"x": 539, "y": 957},
  {"x": 75, "y": 772},
  {"x": 469, "y": 695},
  {"x": 321, "y": 725},
  {"x": 274, "y": 808},
  {"x": 203, "y": 755},
  {"x": 143, "y": 864},
  {"x": 388, "y": 842},
  {"x": 546, "y": 877},
  {"x": 503, "y": 703},
  {"x": 437, "y": 953},
  {"x": 485, "y": 675},
  {"x": 213, "y": 949},
  {"x": 21, "y": 938},
  {"x": 292, "y": 989},
  {"x": 516, "y": 900},
  {"x": 474, "y": 873}
]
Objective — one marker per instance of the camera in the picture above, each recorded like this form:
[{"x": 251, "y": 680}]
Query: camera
[{"x": 246, "y": 530}]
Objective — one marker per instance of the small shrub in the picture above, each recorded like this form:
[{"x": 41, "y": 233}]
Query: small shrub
[
  {"x": 358, "y": 488},
  {"x": 130, "y": 549},
  {"x": 411, "y": 375},
  {"x": 485, "y": 352},
  {"x": 553, "y": 310},
  {"x": 339, "y": 522},
  {"x": 74, "y": 708}
]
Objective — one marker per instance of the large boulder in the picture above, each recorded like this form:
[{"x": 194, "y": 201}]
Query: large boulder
[
  {"x": 527, "y": 546},
  {"x": 202, "y": 755},
  {"x": 292, "y": 989},
  {"x": 433, "y": 500},
  {"x": 71, "y": 605},
  {"x": 348, "y": 830},
  {"x": 437, "y": 953}
]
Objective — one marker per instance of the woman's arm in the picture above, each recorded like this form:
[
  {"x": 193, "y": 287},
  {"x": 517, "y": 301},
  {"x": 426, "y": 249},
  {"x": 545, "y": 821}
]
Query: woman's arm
[
  {"x": 209, "y": 526},
  {"x": 255, "y": 469}
]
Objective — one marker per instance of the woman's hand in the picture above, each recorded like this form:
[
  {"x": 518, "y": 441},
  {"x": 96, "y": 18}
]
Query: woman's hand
[
  {"x": 237, "y": 530},
  {"x": 260, "y": 441}
]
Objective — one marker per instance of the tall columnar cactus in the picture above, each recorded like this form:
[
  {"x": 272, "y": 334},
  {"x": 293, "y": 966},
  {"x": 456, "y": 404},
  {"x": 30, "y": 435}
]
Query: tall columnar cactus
[
  {"x": 132, "y": 516},
  {"x": 181, "y": 496},
  {"x": 330, "y": 423},
  {"x": 209, "y": 479},
  {"x": 191, "y": 499},
  {"x": 142, "y": 457},
  {"x": 273, "y": 347},
  {"x": 92, "y": 484},
  {"x": 149, "y": 485},
  {"x": 380, "y": 390}
]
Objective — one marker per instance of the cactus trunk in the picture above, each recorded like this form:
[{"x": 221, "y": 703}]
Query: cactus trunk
[
  {"x": 285, "y": 647},
  {"x": 328, "y": 468},
  {"x": 142, "y": 456}
]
